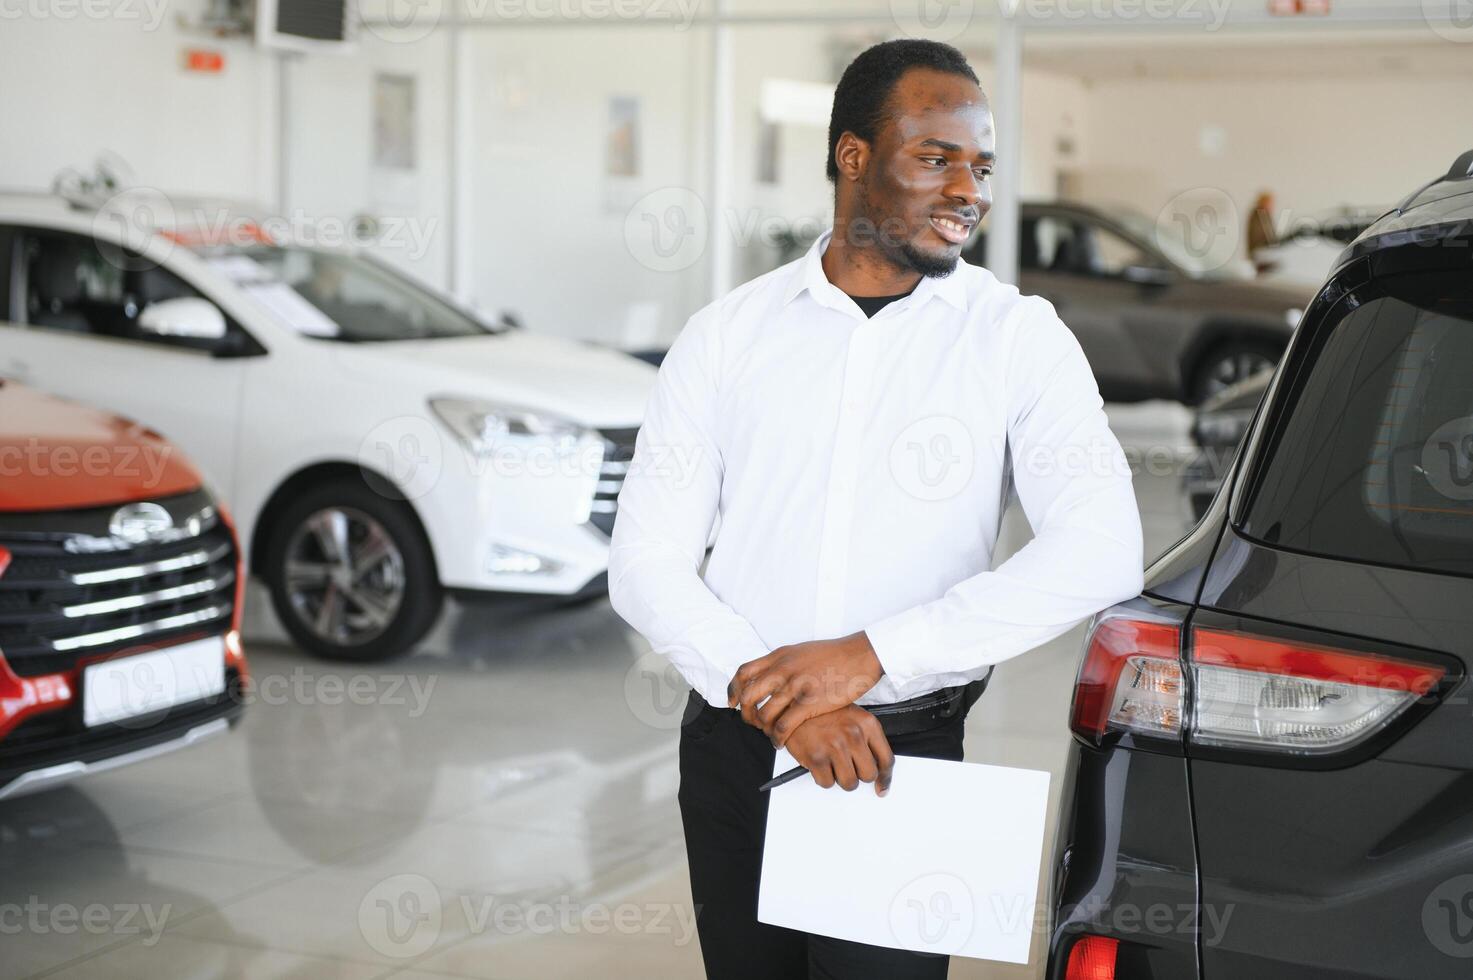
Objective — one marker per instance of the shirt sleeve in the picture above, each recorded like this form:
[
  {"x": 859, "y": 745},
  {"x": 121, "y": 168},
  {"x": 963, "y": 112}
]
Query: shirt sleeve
[
  {"x": 667, "y": 508},
  {"x": 1074, "y": 484}
]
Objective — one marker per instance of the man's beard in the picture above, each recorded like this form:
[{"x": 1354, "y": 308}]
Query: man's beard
[
  {"x": 907, "y": 255},
  {"x": 931, "y": 266}
]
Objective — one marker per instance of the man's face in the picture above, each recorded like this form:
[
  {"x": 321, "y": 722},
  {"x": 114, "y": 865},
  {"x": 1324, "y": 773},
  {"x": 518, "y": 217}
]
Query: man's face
[{"x": 926, "y": 183}]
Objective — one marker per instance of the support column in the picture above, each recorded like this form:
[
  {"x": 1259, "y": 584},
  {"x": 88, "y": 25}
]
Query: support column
[
  {"x": 1007, "y": 113},
  {"x": 460, "y": 272},
  {"x": 718, "y": 200}
]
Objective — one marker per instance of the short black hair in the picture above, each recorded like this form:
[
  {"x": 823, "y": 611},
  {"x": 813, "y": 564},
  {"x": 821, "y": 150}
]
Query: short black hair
[{"x": 863, "y": 94}]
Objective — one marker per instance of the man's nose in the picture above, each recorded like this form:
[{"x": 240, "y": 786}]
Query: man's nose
[{"x": 965, "y": 189}]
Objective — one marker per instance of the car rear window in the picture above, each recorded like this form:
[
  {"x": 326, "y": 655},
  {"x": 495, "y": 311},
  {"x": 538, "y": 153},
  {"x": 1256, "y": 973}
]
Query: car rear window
[{"x": 1375, "y": 459}]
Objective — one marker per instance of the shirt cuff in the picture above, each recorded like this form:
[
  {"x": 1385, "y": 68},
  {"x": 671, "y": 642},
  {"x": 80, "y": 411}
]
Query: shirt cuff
[{"x": 896, "y": 639}]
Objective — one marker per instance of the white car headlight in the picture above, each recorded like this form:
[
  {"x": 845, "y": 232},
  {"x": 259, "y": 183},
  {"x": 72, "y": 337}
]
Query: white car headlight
[{"x": 481, "y": 425}]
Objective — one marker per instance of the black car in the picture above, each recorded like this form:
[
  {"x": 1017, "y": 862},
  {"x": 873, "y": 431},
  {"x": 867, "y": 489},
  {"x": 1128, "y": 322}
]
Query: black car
[
  {"x": 1154, "y": 320},
  {"x": 1272, "y": 770}
]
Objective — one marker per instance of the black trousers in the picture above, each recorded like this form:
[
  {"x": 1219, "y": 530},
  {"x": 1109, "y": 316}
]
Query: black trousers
[{"x": 722, "y": 762}]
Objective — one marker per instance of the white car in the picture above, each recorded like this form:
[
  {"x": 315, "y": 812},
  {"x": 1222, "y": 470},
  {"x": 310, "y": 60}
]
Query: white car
[{"x": 378, "y": 445}]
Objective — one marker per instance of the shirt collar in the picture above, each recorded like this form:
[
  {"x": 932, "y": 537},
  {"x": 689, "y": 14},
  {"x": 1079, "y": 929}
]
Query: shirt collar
[{"x": 809, "y": 275}]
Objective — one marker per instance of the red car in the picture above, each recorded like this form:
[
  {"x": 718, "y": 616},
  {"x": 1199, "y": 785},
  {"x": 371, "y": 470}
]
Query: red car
[{"x": 120, "y": 594}]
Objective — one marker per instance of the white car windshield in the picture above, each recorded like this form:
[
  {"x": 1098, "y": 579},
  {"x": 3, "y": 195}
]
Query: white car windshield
[{"x": 339, "y": 295}]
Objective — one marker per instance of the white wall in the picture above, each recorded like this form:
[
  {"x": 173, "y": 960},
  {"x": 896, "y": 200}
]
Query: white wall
[
  {"x": 1317, "y": 144},
  {"x": 548, "y": 227},
  {"x": 330, "y": 177},
  {"x": 69, "y": 88}
]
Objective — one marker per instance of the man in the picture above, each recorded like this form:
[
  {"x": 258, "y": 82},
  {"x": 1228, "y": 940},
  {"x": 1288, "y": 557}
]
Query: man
[
  {"x": 856, "y": 417},
  {"x": 1261, "y": 233}
]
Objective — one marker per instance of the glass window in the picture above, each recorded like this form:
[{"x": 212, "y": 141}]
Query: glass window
[
  {"x": 1376, "y": 458},
  {"x": 71, "y": 284},
  {"x": 1048, "y": 243},
  {"x": 340, "y": 296},
  {"x": 1112, "y": 254}
]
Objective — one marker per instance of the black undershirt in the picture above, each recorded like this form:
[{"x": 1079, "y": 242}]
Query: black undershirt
[{"x": 874, "y": 304}]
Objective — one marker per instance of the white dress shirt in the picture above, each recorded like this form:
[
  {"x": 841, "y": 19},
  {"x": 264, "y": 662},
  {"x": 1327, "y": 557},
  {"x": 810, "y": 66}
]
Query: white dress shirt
[{"x": 860, "y": 468}]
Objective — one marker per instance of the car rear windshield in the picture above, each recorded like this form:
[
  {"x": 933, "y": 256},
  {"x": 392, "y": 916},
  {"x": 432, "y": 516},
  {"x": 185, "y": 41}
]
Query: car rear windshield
[{"x": 1375, "y": 460}]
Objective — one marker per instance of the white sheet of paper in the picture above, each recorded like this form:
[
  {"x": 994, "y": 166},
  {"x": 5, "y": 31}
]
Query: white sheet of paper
[
  {"x": 948, "y": 862},
  {"x": 292, "y": 309},
  {"x": 240, "y": 268}
]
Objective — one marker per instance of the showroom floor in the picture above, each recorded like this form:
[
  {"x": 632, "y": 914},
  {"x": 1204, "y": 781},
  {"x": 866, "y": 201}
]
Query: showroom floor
[{"x": 500, "y": 805}]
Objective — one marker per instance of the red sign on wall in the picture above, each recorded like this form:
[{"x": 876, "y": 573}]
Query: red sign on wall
[
  {"x": 1288, "y": 8},
  {"x": 203, "y": 61}
]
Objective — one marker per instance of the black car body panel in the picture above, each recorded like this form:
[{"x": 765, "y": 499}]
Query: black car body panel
[
  {"x": 1357, "y": 862},
  {"x": 1133, "y": 879},
  {"x": 1330, "y": 872}
]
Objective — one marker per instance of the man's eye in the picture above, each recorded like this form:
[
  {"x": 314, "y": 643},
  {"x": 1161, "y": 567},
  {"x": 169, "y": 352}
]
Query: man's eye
[
  {"x": 982, "y": 173},
  {"x": 936, "y": 161}
]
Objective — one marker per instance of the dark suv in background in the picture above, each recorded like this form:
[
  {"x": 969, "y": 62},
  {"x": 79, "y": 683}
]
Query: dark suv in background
[{"x": 1272, "y": 772}]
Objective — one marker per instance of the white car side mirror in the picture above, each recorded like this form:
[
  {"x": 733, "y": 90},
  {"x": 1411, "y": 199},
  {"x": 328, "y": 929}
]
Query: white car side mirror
[{"x": 183, "y": 317}]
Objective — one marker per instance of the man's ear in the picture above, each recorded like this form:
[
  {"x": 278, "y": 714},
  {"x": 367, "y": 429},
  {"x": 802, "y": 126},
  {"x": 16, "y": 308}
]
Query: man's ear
[{"x": 851, "y": 156}]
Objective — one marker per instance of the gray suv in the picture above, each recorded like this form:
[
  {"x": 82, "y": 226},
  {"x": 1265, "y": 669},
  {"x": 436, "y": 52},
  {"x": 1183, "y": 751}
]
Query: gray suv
[{"x": 1152, "y": 320}]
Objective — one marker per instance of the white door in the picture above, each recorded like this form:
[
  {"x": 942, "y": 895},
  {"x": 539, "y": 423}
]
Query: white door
[{"x": 78, "y": 337}]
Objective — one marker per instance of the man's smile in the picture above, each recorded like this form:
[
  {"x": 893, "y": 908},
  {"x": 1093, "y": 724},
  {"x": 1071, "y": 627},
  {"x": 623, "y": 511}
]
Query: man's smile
[{"x": 953, "y": 228}]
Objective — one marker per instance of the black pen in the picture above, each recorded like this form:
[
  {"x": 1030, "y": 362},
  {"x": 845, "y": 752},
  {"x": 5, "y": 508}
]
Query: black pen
[{"x": 786, "y": 777}]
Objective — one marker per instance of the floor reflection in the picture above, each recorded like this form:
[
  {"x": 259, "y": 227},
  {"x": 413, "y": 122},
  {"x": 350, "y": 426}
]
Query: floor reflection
[{"x": 370, "y": 821}]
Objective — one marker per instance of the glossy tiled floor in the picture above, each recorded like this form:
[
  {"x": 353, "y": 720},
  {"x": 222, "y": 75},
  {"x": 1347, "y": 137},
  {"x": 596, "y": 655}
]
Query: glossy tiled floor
[{"x": 499, "y": 805}]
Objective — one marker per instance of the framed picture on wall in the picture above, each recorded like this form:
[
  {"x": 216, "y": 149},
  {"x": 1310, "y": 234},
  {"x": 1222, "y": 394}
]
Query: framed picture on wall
[
  {"x": 769, "y": 145},
  {"x": 621, "y": 154},
  {"x": 622, "y": 157},
  {"x": 394, "y": 159}
]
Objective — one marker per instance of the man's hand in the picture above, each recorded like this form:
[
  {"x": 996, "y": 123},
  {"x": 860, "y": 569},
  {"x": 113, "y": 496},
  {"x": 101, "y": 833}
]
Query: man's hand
[
  {"x": 847, "y": 747},
  {"x": 803, "y": 681}
]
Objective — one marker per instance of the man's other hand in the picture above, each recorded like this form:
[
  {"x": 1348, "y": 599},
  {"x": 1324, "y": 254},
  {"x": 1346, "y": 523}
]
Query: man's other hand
[
  {"x": 796, "y": 683},
  {"x": 847, "y": 747}
]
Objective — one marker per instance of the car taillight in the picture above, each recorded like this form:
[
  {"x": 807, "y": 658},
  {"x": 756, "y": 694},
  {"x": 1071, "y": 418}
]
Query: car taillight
[
  {"x": 1247, "y": 691},
  {"x": 1092, "y": 958},
  {"x": 1257, "y": 692},
  {"x": 1131, "y": 678}
]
